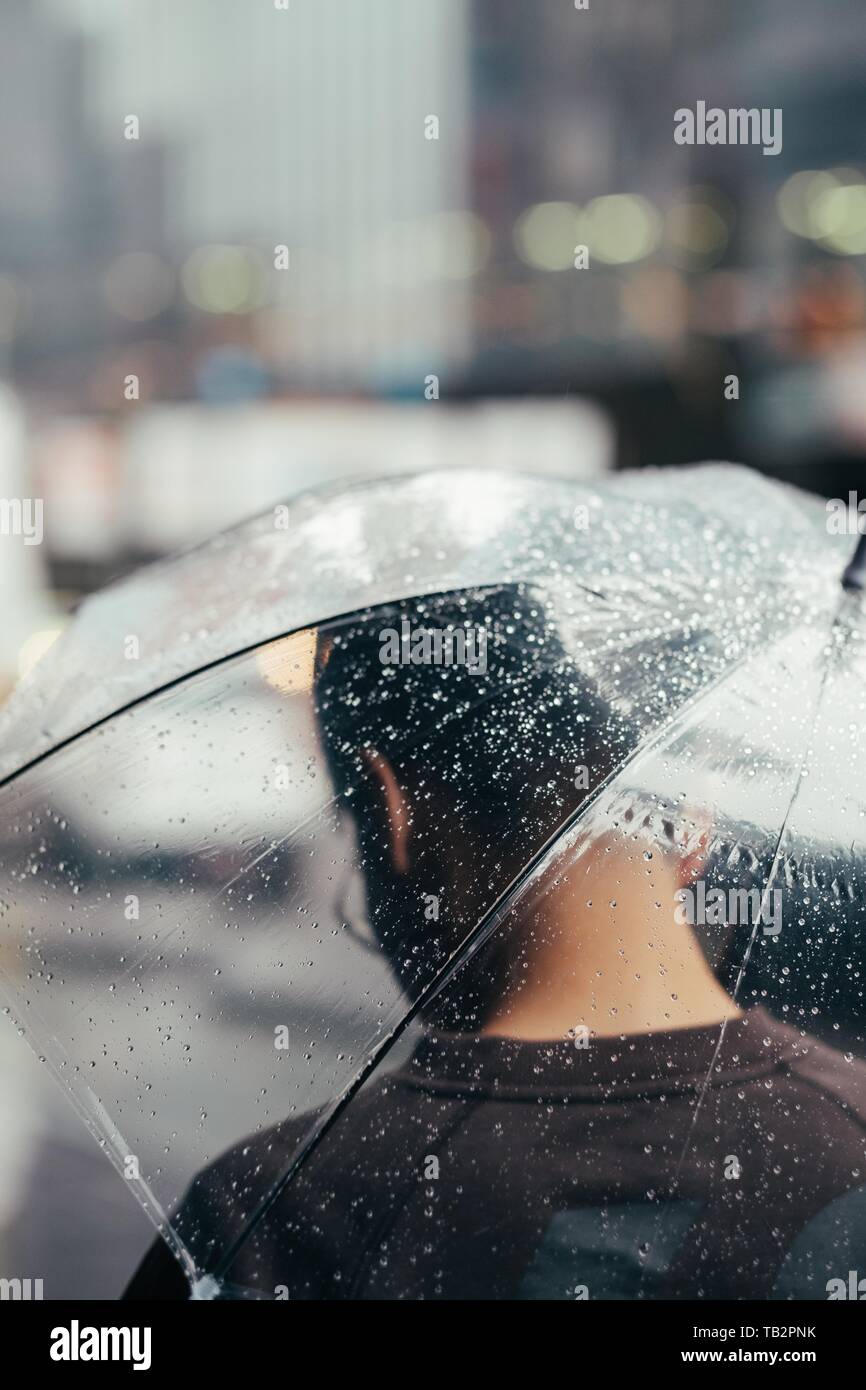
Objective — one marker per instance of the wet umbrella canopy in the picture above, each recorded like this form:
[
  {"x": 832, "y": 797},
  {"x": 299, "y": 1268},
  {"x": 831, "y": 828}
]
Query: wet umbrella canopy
[{"x": 415, "y": 843}]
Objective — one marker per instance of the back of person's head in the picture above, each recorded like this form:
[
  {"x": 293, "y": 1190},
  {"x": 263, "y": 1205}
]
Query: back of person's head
[{"x": 457, "y": 774}]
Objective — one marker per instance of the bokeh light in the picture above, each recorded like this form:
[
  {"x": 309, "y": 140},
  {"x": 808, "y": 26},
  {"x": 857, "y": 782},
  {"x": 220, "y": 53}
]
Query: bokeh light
[
  {"x": 696, "y": 227},
  {"x": 457, "y": 245},
  {"x": 840, "y": 218},
  {"x": 621, "y": 227},
  {"x": 827, "y": 206},
  {"x": 546, "y": 234},
  {"x": 224, "y": 279}
]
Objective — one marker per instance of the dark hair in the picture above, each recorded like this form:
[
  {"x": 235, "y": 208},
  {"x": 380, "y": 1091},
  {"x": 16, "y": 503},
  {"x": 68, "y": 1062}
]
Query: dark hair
[{"x": 489, "y": 761}]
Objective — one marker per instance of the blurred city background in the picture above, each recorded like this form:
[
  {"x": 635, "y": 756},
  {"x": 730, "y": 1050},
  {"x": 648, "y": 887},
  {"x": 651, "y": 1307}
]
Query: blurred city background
[{"x": 247, "y": 249}]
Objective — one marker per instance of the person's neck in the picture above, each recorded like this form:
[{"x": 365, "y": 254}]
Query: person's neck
[{"x": 610, "y": 957}]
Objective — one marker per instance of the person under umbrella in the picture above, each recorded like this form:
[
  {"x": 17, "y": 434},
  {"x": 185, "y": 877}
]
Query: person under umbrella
[{"x": 585, "y": 1110}]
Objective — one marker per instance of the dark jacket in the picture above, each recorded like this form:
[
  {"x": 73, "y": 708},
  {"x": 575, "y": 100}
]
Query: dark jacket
[{"x": 491, "y": 1168}]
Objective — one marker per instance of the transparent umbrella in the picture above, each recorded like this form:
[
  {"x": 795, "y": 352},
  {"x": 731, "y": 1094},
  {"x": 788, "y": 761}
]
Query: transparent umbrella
[{"x": 453, "y": 886}]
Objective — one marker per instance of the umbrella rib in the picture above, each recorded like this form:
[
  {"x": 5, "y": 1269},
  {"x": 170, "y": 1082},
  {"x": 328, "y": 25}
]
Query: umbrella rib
[
  {"x": 771, "y": 876},
  {"x": 223, "y": 660}
]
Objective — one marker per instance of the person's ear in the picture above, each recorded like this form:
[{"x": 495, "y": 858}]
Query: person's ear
[{"x": 395, "y": 805}]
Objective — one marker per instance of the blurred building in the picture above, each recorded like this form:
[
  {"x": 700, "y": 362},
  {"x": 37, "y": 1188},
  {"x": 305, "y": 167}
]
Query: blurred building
[
  {"x": 305, "y": 128},
  {"x": 384, "y": 202}
]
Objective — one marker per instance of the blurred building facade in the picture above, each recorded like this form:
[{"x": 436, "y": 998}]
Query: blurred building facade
[{"x": 384, "y": 202}]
